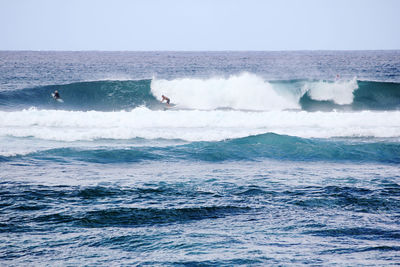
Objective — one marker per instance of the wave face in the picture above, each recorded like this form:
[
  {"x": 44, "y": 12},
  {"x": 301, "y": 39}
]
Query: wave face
[
  {"x": 250, "y": 148},
  {"x": 355, "y": 95},
  {"x": 244, "y": 92},
  {"x": 143, "y": 134},
  {"x": 96, "y": 95}
]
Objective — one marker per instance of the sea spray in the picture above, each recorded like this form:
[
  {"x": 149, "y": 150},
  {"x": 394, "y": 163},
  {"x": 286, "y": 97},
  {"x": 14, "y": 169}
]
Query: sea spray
[
  {"x": 340, "y": 92},
  {"x": 244, "y": 91}
]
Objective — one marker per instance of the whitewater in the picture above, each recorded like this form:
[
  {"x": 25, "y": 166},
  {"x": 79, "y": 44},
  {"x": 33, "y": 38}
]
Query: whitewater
[
  {"x": 262, "y": 158},
  {"x": 195, "y": 125}
]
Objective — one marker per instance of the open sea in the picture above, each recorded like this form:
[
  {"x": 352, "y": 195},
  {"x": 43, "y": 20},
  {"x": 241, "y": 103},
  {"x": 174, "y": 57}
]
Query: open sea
[{"x": 262, "y": 158}]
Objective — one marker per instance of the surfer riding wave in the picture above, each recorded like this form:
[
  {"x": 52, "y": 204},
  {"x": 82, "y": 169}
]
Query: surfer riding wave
[{"x": 166, "y": 99}]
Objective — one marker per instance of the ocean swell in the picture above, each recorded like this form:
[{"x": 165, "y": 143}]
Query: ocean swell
[
  {"x": 239, "y": 92},
  {"x": 258, "y": 147}
]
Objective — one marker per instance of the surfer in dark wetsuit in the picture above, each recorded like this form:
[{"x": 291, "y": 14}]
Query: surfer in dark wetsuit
[
  {"x": 56, "y": 95},
  {"x": 166, "y": 99}
]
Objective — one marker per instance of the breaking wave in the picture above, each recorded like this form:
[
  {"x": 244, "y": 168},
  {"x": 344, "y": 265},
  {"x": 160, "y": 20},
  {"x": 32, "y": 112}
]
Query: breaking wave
[{"x": 239, "y": 92}]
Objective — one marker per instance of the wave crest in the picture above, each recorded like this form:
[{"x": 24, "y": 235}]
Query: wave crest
[
  {"x": 245, "y": 91},
  {"x": 238, "y": 92},
  {"x": 340, "y": 92}
]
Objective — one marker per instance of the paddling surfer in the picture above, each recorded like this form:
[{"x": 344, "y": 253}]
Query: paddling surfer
[{"x": 56, "y": 95}]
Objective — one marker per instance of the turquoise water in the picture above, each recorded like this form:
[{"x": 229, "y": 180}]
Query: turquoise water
[{"x": 266, "y": 158}]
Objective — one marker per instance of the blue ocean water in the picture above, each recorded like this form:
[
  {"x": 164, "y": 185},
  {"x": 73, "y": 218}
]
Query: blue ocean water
[{"x": 263, "y": 158}]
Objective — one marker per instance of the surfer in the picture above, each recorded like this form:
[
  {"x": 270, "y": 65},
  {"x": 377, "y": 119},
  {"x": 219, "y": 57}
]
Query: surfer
[
  {"x": 166, "y": 99},
  {"x": 56, "y": 95}
]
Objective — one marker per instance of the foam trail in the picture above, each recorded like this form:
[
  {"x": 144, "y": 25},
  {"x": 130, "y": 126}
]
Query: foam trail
[
  {"x": 246, "y": 91},
  {"x": 340, "y": 92},
  {"x": 194, "y": 125}
]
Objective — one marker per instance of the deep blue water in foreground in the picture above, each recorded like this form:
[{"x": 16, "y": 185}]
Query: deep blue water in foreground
[{"x": 264, "y": 158}]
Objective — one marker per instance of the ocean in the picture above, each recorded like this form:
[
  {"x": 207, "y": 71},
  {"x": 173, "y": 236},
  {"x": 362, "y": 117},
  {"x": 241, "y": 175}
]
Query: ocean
[{"x": 262, "y": 158}]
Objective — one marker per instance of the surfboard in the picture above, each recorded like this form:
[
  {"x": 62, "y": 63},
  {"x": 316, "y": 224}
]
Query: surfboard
[
  {"x": 170, "y": 106},
  {"x": 57, "y": 99}
]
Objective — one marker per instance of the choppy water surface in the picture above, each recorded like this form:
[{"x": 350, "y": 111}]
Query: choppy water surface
[{"x": 264, "y": 158}]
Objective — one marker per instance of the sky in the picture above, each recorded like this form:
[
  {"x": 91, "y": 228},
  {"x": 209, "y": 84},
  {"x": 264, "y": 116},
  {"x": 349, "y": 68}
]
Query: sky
[{"x": 199, "y": 25}]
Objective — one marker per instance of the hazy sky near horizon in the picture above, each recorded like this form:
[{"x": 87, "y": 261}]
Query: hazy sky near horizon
[{"x": 199, "y": 24}]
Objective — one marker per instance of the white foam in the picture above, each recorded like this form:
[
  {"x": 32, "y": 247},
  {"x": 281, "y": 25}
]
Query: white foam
[
  {"x": 194, "y": 125},
  {"x": 248, "y": 92},
  {"x": 245, "y": 91},
  {"x": 340, "y": 92}
]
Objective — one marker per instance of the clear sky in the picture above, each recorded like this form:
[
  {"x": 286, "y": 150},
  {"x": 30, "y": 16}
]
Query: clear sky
[{"x": 199, "y": 24}]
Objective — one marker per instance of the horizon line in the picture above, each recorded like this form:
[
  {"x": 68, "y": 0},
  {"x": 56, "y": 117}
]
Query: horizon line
[{"x": 228, "y": 50}]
